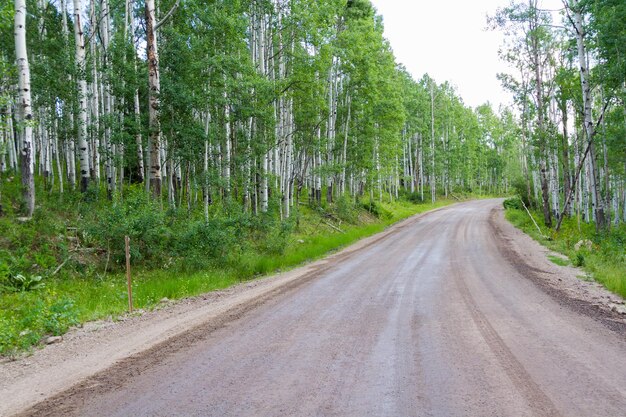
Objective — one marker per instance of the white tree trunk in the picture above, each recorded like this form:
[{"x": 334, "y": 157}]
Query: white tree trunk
[
  {"x": 433, "y": 191},
  {"x": 25, "y": 115},
  {"x": 227, "y": 148},
  {"x": 205, "y": 182},
  {"x": 344, "y": 153},
  {"x": 83, "y": 146},
  {"x": 599, "y": 212},
  {"x": 95, "y": 96},
  {"x": 154, "y": 105}
]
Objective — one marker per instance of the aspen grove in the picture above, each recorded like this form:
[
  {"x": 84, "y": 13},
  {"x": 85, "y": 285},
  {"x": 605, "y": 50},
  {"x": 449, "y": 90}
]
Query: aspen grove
[{"x": 267, "y": 104}]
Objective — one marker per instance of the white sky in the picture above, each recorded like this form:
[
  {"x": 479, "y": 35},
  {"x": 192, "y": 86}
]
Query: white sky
[{"x": 448, "y": 40}]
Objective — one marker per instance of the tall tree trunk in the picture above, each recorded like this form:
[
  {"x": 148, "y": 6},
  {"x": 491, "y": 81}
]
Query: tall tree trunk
[
  {"x": 433, "y": 191},
  {"x": 565, "y": 149},
  {"x": 83, "y": 146},
  {"x": 205, "y": 181},
  {"x": 600, "y": 217},
  {"x": 227, "y": 142},
  {"x": 95, "y": 96},
  {"x": 541, "y": 131},
  {"x": 154, "y": 104},
  {"x": 25, "y": 112},
  {"x": 344, "y": 154}
]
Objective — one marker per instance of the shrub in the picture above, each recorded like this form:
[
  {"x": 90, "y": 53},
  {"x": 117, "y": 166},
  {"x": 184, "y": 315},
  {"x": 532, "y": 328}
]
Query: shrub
[
  {"x": 579, "y": 259},
  {"x": 138, "y": 217},
  {"x": 520, "y": 187},
  {"x": 203, "y": 243},
  {"x": 377, "y": 210},
  {"x": 514, "y": 203},
  {"x": 277, "y": 239},
  {"x": 346, "y": 210}
]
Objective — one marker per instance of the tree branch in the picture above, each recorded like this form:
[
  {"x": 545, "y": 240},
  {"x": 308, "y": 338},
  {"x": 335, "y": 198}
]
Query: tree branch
[{"x": 167, "y": 16}]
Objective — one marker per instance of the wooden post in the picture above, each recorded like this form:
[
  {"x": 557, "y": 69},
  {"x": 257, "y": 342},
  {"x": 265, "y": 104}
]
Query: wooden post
[{"x": 128, "y": 281}]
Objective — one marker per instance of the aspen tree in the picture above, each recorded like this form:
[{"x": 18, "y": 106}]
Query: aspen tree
[
  {"x": 25, "y": 113},
  {"x": 83, "y": 146},
  {"x": 433, "y": 192},
  {"x": 154, "y": 106},
  {"x": 599, "y": 212}
]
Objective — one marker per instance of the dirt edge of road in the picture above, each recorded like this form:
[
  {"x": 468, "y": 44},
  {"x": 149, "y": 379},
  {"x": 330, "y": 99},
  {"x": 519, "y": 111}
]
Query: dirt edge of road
[
  {"x": 560, "y": 282},
  {"x": 48, "y": 378}
]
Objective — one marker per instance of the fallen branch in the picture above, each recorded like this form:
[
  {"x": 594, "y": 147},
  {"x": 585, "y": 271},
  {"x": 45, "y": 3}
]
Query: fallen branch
[
  {"x": 334, "y": 227},
  {"x": 58, "y": 268},
  {"x": 533, "y": 219}
]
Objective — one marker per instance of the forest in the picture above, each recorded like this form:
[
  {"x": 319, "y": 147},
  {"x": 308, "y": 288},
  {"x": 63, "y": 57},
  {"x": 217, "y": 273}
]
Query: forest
[{"x": 216, "y": 131}]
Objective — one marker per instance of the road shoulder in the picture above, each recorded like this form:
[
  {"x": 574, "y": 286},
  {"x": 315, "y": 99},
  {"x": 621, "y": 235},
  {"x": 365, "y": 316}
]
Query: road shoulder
[{"x": 565, "y": 284}]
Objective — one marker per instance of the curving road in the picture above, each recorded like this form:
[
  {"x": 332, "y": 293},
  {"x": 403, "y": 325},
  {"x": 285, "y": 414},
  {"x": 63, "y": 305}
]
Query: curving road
[{"x": 435, "y": 319}]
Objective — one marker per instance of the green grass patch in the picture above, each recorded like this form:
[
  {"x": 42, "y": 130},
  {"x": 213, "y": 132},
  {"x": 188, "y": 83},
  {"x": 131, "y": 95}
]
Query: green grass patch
[
  {"x": 604, "y": 259},
  {"x": 558, "y": 260}
]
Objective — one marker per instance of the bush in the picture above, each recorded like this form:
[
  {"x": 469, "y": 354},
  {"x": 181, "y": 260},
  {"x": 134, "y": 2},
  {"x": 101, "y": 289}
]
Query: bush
[
  {"x": 520, "y": 187},
  {"x": 138, "y": 217},
  {"x": 412, "y": 197},
  {"x": 514, "y": 203},
  {"x": 203, "y": 243},
  {"x": 578, "y": 259},
  {"x": 377, "y": 210},
  {"x": 346, "y": 210},
  {"x": 277, "y": 239}
]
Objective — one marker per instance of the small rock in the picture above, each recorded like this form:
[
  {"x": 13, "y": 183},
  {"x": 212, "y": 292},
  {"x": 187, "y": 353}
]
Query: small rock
[
  {"x": 619, "y": 309},
  {"x": 586, "y": 243},
  {"x": 164, "y": 300},
  {"x": 53, "y": 339}
]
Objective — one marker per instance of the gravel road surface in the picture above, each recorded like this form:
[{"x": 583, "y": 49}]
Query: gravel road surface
[{"x": 444, "y": 316}]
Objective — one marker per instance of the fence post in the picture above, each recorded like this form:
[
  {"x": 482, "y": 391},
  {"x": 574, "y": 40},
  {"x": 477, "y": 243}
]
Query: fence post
[{"x": 128, "y": 281}]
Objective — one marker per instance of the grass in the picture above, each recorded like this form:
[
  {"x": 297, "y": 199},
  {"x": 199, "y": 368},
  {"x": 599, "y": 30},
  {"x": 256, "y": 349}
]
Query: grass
[
  {"x": 87, "y": 293},
  {"x": 558, "y": 261},
  {"x": 605, "y": 261}
]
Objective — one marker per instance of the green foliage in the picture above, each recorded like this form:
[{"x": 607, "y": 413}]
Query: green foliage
[
  {"x": 605, "y": 262},
  {"x": 204, "y": 243},
  {"x": 26, "y": 318},
  {"x": 520, "y": 188},
  {"x": 578, "y": 259},
  {"x": 197, "y": 257},
  {"x": 377, "y": 209},
  {"x": 19, "y": 282},
  {"x": 136, "y": 216},
  {"x": 558, "y": 261},
  {"x": 346, "y": 210},
  {"x": 275, "y": 236},
  {"x": 514, "y": 203}
]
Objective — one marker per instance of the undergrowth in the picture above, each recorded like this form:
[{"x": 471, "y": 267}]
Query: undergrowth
[
  {"x": 65, "y": 266},
  {"x": 601, "y": 255}
]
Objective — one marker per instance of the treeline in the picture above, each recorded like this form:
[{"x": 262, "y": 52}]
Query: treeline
[
  {"x": 570, "y": 89},
  {"x": 256, "y": 102}
]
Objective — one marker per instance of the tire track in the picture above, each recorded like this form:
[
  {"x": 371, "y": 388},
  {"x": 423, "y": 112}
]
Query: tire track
[{"x": 537, "y": 400}]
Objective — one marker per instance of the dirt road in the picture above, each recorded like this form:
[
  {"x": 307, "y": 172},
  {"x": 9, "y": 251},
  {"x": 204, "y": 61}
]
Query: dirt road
[{"x": 442, "y": 317}]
